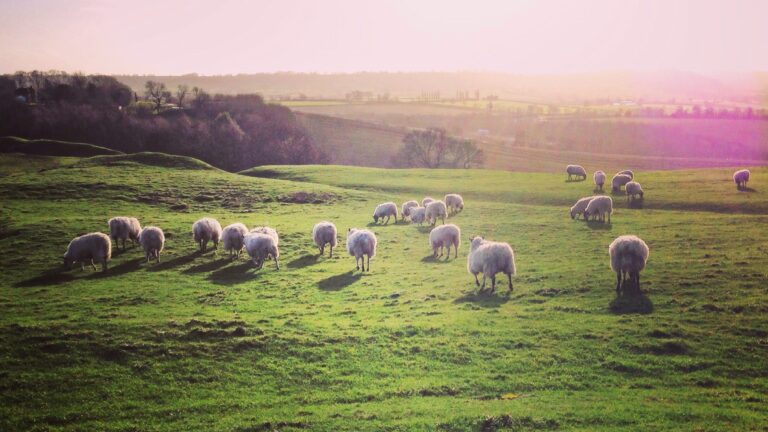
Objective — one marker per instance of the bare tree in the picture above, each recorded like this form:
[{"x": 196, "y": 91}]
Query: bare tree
[
  {"x": 156, "y": 92},
  {"x": 433, "y": 148},
  {"x": 181, "y": 93}
]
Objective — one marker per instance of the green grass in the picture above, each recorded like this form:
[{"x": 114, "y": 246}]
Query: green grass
[{"x": 201, "y": 343}]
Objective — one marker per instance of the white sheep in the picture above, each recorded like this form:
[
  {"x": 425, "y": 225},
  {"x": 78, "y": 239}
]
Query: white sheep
[
  {"x": 385, "y": 210},
  {"x": 599, "y": 207},
  {"x": 577, "y": 171},
  {"x": 490, "y": 258},
  {"x": 261, "y": 247},
  {"x": 324, "y": 233},
  {"x": 599, "y": 178},
  {"x": 580, "y": 206},
  {"x": 205, "y": 230},
  {"x": 418, "y": 215},
  {"x": 633, "y": 188},
  {"x": 152, "y": 239},
  {"x": 425, "y": 202},
  {"x": 445, "y": 236},
  {"x": 406, "y": 209},
  {"x": 435, "y": 209},
  {"x": 454, "y": 202},
  {"x": 629, "y": 254},
  {"x": 361, "y": 243},
  {"x": 741, "y": 177},
  {"x": 91, "y": 247},
  {"x": 618, "y": 181},
  {"x": 233, "y": 237},
  {"x": 268, "y": 231},
  {"x": 628, "y": 173},
  {"x": 124, "y": 228}
]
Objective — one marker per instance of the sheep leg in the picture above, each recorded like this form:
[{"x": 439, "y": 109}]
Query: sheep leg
[
  {"x": 322, "y": 249},
  {"x": 637, "y": 281},
  {"x": 357, "y": 263},
  {"x": 477, "y": 282},
  {"x": 104, "y": 266},
  {"x": 157, "y": 255},
  {"x": 277, "y": 263},
  {"x": 93, "y": 265},
  {"x": 509, "y": 275},
  {"x": 483, "y": 287},
  {"x": 331, "y": 254},
  {"x": 618, "y": 282},
  {"x": 493, "y": 284},
  {"x": 369, "y": 263}
]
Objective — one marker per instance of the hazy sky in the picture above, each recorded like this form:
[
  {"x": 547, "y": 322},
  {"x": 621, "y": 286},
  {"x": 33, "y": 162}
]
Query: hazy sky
[{"x": 234, "y": 36}]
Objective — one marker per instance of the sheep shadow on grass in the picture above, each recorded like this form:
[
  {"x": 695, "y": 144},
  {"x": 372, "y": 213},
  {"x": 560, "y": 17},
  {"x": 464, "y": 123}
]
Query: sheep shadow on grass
[
  {"x": 598, "y": 191},
  {"x": 53, "y": 276},
  {"x": 209, "y": 266},
  {"x": 636, "y": 203},
  {"x": 746, "y": 189},
  {"x": 631, "y": 301},
  {"x": 576, "y": 180},
  {"x": 597, "y": 225},
  {"x": 485, "y": 298},
  {"x": 176, "y": 262},
  {"x": 305, "y": 261},
  {"x": 235, "y": 274},
  {"x": 425, "y": 229},
  {"x": 339, "y": 282},
  {"x": 120, "y": 269},
  {"x": 437, "y": 260}
]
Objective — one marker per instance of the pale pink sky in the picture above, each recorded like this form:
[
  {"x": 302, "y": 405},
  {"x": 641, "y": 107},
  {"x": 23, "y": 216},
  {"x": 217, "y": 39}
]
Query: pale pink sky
[{"x": 524, "y": 36}]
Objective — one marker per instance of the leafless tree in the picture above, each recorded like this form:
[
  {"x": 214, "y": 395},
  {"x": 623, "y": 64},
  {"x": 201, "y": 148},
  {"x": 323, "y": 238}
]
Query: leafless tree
[{"x": 181, "y": 93}]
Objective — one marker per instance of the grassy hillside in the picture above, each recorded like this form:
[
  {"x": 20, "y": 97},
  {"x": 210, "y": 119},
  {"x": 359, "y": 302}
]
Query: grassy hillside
[
  {"x": 201, "y": 343},
  {"x": 48, "y": 147}
]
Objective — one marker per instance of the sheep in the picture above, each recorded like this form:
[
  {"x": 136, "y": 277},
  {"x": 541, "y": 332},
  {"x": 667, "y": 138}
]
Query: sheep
[
  {"x": 233, "y": 237},
  {"x": 261, "y": 247},
  {"x": 385, "y": 210},
  {"x": 454, "y": 202},
  {"x": 425, "y": 202},
  {"x": 325, "y": 233},
  {"x": 629, "y": 254},
  {"x": 599, "y": 206},
  {"x": 152, "y": 239},
  {"x": 580, "y": 206},
  {"x": 741, "y": 177},
  {"x": 628, "y": 173},
  {"x": 407, "y": 206},
  {"x": 91, "y": 247},
  {"x": 618, "y": 181},
  {"x": 599, "y": 178},
  {"x": 445, "y": 236},
  {"x": 361, "y": 243},
  {"x": 576, "y": 170},
  {"x": 124, "y": 228},
  {"x": 268, "y": 231},
  {"x": 435, "y": 209},
  {"x": 633, "y": 188},
  {"x": 204, "y": 230},
  {"x": 418, "y": 215},
  {"x": 490, "y": 257}
]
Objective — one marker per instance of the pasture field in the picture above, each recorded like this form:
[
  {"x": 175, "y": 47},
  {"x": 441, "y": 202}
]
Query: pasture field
[{"x": 199, "y": 342}]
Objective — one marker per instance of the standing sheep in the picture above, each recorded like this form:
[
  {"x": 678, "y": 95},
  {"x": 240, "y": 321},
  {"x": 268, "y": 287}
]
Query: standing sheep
[
  {"x": 490, "y": 258},
  {"x": 629, "y": 254},
  {"x": 325, "y": 233},
  {"x": 425, "y": 202},
  {"x": 407, "y": 206},
  {"x": 633, "y": 188},
  {"x": 598, "y": 207},
  {"x": 233, "y": 237},
  {"x": 361, "y": 243},
  {"x": 385, "y": 210},
  {"x": 418, "y": 215},
  {"x": 627, "y": 173},
  {"x": 89, "y": 247},
  {"x": 436, "y": 209},
  {"x": 618, "y": 181},
  {"x": 599, "y": 178},
  {"x": 741, "y": 177},
  {"x": 580, "y": 206},
  {"x": 454, "y": 203},
  {"x": 268, "y": 231},
  {"x": 576, "y": 171},
  {"x": 152, "y": 239},
  {"x": 124, "y": 228},
  {"x": 204, "y": 230},
  {"x": 261, "y": 247},
  {"x": 445, "y": 236}
]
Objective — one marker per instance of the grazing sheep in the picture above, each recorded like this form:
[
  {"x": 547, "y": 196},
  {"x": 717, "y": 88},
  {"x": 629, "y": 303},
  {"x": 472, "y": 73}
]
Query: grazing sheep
[
  {"x": 124, "y": 228},
  {"x": 454, "y": 202},
  {"x": 385, "y": 210},
  {"x": 407, "y": 206},
  {"x": 490, "y": 257},
  {"x": 418, "y": 215},
  {"x": 599, "y": 178},
  {"x": 741, "y": 177},
  {"x": 598, "y": 207},
  {"x": 425, "y": 202},
  {"x": 268, "y": 231},
  {"x": 261, "y": 247},
  {"x": 436, "y": 209},
  {"x": 204, "y": 230},
  {"x": 618, "y": 181},
  {"x": 233, "y": 237},
  {"x": 580, "y": 206},
  {"x": 629, "y": 254},
  {"x": 577, "y": 171},
  {"x": 628, "y": 173},
  {"x": 152, "y": 239},
  {"x": 91, "y": 247},
  {"x": 325, "y": 233},
  {"x": 361, "y": 243},
  {"x": 633, "y": 188},
  {"x": 445, "y": 236}
]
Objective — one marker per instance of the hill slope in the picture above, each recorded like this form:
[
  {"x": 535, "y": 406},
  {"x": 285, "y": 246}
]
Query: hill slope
[{"x": 46, "y": 147}]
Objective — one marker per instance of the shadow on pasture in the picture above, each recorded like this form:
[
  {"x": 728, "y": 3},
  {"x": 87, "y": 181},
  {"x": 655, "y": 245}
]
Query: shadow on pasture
[
  {"x": 436, "y": 260},
  {"x": 485, "y": 298},
  {"x": 305, "y": 261},
  {"x": 339, "y": 282},
  {"x": 425, "y": 229},
  {"x": 54, "y": 276},
  {"x": 209, "y": 266},
  {"x": 597, "y": 225},
  {"x": 598, "y": 191},
  {"x": 747, "y": 189},
  {"x": 636, "y": 203},
  {"x": 631, "y": 301},
  {"x": 237, "y": 273},
  {"x": 575, "y": 180},
  {"x": 120, "y": 269},
  {"x": 120, "y": 251},
  {"x": 176, "y": 262}
]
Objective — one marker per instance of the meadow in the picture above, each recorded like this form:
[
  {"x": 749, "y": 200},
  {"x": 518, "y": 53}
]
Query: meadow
[{"x": 200, "y": 342}]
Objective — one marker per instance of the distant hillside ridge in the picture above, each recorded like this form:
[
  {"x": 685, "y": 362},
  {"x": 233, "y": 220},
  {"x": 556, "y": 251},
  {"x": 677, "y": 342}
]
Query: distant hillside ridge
[{"x": 49, "y": 147}]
